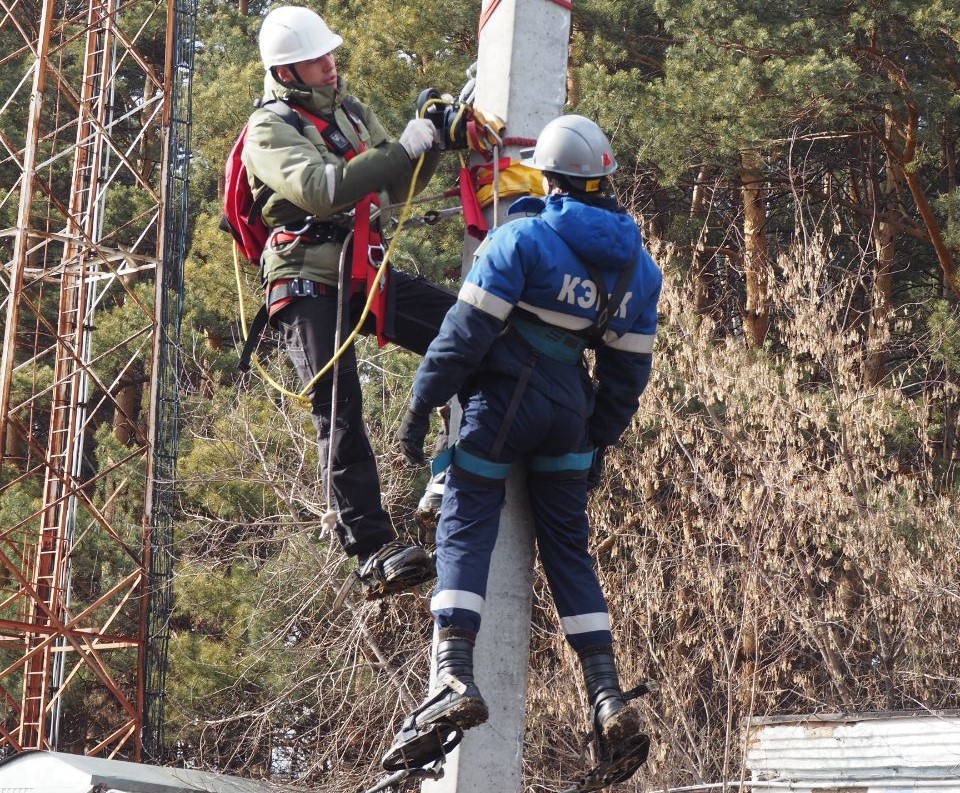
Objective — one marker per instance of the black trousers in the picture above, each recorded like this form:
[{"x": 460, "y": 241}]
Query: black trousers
[{"x": 308, "y": 325}]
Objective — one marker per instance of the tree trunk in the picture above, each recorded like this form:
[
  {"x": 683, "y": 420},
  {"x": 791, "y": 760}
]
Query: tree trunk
[
  {"x": 881, "y": 309},
  {"x": 756, "y": 315},
  {"x": 213, "y": 340},
  {"x": 704, "y": 291},
  {"x": 125, "y": 414}
]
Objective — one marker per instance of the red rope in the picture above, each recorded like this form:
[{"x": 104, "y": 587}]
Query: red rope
[
  {"x": 508, "y": 141},
  {"x": 488, "y": 12}
]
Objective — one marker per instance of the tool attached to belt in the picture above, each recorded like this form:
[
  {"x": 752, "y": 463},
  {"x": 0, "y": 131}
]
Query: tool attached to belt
[{"x": 312, "y": 232}]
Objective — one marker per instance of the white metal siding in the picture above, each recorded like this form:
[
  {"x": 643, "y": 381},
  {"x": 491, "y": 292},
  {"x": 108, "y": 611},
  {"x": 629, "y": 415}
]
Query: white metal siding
[{"x": 879, "y": 753}]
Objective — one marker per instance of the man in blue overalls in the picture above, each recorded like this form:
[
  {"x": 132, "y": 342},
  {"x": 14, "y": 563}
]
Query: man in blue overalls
[{"x": 573, "y": 274}]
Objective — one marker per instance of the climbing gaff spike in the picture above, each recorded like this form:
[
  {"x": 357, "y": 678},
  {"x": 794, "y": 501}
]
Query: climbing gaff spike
[
  {"x": 414, "y": 750},
  {"x": 432, "y": 771}
]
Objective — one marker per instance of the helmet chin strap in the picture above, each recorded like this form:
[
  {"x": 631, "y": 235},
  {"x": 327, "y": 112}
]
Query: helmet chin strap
[{"x": 297, "y": 80}]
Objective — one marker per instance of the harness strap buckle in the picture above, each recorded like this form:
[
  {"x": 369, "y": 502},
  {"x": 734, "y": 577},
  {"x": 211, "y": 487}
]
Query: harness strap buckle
[{"x": 301, "y": 287}]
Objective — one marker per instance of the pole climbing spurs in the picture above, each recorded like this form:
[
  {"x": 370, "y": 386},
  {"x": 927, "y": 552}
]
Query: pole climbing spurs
[
  {"x": 393, "y": 781},
  {"x": 416, "y": 745},
  {"x": 417, "y": 754},
  {"x": 396, "y": 567},
  {"x": 616, "y": 763}
]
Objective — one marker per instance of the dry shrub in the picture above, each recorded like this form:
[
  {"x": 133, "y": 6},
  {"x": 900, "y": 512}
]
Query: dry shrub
[{"x": 771, "y": 536}]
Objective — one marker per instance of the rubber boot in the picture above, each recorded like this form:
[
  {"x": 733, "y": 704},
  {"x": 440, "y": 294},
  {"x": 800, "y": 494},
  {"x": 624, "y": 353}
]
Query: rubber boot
[
  {"x": 458, "y": 699},
  {"x": 616, "y": 722}
]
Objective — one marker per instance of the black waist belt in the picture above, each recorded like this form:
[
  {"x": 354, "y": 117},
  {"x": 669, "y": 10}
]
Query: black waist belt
[
  {"x": 283, "y": 289},
  {"x": 296, "y": 287},
  {"x": 312, "y": 234}
]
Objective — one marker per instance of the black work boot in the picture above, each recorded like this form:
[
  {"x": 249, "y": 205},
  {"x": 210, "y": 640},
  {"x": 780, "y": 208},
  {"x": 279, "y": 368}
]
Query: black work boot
[
  {"x": 436, "y": 726},
  {"x": 616, "y": 722},
  {"x": 394, "y": 567},
  {"x": 457, "y": 698}
]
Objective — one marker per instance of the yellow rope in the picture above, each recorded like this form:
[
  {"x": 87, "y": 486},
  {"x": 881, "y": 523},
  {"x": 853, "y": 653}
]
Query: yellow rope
[
  {"x": 404, "y": 213},
  {"x": 301, "y": 398},
  {"x": 243, "y": 325}
]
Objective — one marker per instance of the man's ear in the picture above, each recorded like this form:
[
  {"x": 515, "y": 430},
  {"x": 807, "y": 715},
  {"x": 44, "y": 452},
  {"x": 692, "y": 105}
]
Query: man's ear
[{"x": 283, "y": 74}]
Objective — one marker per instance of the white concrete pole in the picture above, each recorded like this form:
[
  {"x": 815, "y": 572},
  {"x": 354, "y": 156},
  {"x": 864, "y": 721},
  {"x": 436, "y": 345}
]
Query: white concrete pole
[{"x": 521, "y": 78}]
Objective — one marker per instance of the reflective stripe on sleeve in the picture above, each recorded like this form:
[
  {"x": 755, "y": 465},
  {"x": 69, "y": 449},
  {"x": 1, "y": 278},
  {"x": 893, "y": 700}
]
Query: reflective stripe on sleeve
[
  {"x": 488, "y": 303},
  {"x": 630, "y": 342},
  {"x": 457, "y": 599},
  {"x": 586, "y": 623}
]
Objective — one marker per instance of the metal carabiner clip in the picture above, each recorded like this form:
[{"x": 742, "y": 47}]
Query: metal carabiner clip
[
  {"x": 375, "y": 260},
  {"x": 284, "y": 247}
]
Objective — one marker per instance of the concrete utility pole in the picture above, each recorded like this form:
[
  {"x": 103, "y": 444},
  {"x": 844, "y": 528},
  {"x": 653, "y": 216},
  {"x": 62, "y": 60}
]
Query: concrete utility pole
[{"x": 521, "y": 78}]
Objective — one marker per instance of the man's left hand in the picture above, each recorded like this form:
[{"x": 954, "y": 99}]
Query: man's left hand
[
  {"x": 418, "y": 137},
  {"x": 412, "y": 434}
]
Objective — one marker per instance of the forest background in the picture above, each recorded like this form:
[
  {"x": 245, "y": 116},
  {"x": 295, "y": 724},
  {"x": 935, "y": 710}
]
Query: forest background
[{"x": 777, "y": 532}]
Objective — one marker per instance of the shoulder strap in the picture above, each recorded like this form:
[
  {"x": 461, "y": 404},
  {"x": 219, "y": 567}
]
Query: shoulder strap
[
  {"x": 353, "y": 112},
  {"x": 295, "y": 120},
  {"x": 607, "y": 304},
  {"x": 332, "y": 135},
  {"x": 286, "y": 112},
  {"x": 295, "y": 116}
]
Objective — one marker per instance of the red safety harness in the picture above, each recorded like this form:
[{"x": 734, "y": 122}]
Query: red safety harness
[{"x": 366, "y": 256}]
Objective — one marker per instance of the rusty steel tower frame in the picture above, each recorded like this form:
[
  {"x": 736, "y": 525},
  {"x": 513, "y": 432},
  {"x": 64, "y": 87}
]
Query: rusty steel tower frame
[{"x": 94, "y": 151}]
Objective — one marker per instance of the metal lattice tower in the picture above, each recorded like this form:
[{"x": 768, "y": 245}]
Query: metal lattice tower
[{"x": 94, "y": 150}]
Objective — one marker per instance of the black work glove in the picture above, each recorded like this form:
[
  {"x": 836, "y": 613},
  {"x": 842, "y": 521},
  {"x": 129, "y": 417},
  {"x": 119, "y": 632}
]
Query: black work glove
[
  {"x": 448, "y": 115},
  {"x": 596, "y": 468},
  {"x": 412, "y": 434}
]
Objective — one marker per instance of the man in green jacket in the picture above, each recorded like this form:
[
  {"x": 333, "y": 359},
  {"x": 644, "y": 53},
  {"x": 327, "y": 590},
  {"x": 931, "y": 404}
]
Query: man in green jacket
[{"x": 318, "y": 184}]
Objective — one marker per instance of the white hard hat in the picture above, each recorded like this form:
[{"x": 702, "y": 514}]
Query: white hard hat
[
  {"x": 573, "y": 146},
  {"x": 291, "y": 34}
]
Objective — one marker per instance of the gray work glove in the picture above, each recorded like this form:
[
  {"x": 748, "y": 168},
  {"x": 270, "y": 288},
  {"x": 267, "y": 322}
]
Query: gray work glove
[
  {"x": 412, "y": 434},
  {"x": 418, "y": 137}
]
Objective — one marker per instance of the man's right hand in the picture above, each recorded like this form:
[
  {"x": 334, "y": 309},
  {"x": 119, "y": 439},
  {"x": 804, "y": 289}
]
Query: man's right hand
[
  {"x": 412, "y": 434},
  {"x": 418, "y": 137}
]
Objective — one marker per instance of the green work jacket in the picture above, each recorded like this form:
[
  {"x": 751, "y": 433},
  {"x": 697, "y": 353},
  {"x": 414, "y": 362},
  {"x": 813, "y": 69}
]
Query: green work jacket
[{"x": 309, "y": 180}]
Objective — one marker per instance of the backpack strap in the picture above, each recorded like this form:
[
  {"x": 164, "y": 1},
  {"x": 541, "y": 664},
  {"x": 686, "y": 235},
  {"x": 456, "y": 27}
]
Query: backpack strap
[
  {"x": 295, "y": 120},
  {"x": 286, "y": 112},
  {"x": 332, "y": 135},
  {"x": 253, "y": 337}
]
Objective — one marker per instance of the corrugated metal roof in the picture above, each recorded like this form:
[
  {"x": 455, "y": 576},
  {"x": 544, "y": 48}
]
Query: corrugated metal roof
[
  {"x": 891, "y": 751},
  {"x": 57, "y": 772}
]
